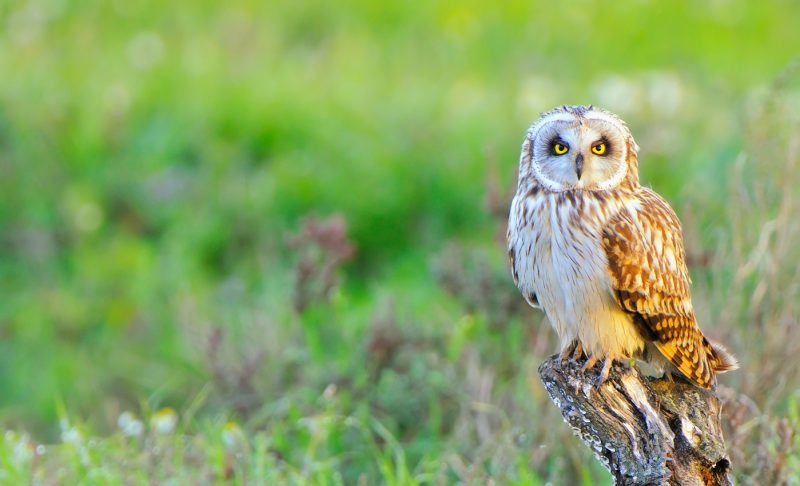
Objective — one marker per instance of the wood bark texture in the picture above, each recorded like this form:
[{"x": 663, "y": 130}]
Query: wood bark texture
[{"x": 646, "y": 431}]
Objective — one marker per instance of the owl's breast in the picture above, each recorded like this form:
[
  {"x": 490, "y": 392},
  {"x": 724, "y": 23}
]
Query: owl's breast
[{"x": 559, "y": 258}]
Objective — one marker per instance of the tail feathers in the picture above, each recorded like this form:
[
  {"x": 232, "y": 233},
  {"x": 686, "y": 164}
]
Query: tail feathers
[{"x": 721, "y": 359}]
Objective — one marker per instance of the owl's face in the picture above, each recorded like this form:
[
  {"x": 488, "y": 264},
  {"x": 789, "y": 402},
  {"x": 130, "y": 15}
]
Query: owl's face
[{"x": 578, "y": 148}]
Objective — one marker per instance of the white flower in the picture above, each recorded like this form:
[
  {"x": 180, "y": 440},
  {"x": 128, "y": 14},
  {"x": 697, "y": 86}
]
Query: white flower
[
  {"x": 129, "y": 424},
  {"x": 164, "y": 421},
  {"x": 71, "y": 435},
  {"x": 23, "y": 449},
  {"x": 231, "y": 434}
]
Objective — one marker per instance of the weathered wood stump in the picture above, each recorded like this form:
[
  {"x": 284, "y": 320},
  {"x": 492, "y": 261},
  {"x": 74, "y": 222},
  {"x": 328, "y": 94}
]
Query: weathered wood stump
[{"x": 646, "y": 431}]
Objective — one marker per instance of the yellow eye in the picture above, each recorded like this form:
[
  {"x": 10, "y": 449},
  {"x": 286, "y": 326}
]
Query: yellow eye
[
  {"x": 599, "y": 149},
  {"x": 560, "y": 149}
]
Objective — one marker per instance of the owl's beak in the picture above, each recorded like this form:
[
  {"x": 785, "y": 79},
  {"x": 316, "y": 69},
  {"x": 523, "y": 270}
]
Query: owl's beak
[{"x": 579, "y": 165}]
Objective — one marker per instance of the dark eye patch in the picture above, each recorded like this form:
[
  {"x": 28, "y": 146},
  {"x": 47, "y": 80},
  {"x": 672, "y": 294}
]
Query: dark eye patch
[
  {"x": 603, "y": 140},
  {"x": 556, "y": 141},
  {"x": 602, "y": 147}
]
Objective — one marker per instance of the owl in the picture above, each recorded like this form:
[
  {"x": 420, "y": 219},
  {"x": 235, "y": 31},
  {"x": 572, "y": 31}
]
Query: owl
[{"x": 602, "y": 255}]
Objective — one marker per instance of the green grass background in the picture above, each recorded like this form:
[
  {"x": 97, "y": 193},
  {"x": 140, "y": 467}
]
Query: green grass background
[{"x": 156, "y": 156}]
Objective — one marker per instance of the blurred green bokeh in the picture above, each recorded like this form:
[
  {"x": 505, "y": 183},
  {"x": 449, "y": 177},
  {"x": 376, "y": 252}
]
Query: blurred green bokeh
[{"x": 154, "y": 156}]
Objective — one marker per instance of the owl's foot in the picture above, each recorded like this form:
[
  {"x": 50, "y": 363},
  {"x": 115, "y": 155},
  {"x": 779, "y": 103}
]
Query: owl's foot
[
  {"x": 578, "y": 354},
  {"x": 590, "y": 362},
  {"x": 607, "y": 363},
  {"x": 566, "y": 352},
  {"x": 574, "y": 352},
  {"x": 604, "y": 371}
]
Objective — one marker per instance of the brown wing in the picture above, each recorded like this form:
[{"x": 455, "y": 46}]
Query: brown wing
[{"x": 650, "y": 280}]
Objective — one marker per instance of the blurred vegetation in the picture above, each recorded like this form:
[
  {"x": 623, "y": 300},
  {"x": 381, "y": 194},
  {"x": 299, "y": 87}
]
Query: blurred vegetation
[{"x": 284, "y": 221}]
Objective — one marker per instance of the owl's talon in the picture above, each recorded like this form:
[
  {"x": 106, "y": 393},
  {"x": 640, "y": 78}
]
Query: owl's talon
[
  {"x": 566, "y": 352},
  {"x": 590, "y": 362},
  {"x": 578, "y": 354},
  {"x": 603, "y": 377}
]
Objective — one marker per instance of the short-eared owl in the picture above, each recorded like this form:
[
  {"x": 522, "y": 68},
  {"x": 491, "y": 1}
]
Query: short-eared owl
[{"x": 602, "y": 255}]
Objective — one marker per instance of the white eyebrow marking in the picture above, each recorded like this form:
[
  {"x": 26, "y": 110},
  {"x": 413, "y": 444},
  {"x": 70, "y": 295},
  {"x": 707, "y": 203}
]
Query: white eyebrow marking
[{"x": 533, "y": 131}]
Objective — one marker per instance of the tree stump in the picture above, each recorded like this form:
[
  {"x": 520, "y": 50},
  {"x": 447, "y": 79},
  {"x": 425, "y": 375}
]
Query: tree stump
[{"x": 646, "y": 431}]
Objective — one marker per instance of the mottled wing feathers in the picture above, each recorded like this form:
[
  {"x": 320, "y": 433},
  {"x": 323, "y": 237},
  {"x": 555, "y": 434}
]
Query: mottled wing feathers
[{"x": 648, "y": 272}]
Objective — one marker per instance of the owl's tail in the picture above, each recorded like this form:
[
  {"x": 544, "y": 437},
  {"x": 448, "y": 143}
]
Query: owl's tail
[{"x": 720, "y": 359}]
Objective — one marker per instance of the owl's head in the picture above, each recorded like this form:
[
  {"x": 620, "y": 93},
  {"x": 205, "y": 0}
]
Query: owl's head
[{"x": 579, "y": 148}]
